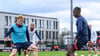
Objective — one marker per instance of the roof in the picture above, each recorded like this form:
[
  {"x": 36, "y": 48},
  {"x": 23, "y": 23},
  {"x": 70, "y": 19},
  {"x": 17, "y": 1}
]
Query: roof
[{"x": 27, "y": 15}]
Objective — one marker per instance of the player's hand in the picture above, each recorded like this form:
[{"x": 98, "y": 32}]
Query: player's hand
[
  {"x": 42, "y": 41},
  {"x": 5, "y": 39}
]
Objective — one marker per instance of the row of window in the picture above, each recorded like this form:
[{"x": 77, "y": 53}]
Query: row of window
[
  {"x": 48, "y": 34},
  {"x": 48, "y": 24},
  {"x": 43, "y": 34}
]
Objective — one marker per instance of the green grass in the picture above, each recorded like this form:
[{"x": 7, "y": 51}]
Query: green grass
[{"x": 53, "y": 53}]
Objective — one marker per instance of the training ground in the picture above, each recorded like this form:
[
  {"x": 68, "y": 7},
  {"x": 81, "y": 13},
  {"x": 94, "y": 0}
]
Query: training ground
[{"x": 53, "y": 53}]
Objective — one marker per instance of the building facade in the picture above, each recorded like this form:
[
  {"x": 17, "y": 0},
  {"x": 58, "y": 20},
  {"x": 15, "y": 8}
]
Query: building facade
[{"x": 47, "y": 27}]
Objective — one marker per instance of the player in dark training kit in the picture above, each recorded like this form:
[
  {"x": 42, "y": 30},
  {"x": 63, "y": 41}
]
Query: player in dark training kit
[{"x": 82, "y": 33}]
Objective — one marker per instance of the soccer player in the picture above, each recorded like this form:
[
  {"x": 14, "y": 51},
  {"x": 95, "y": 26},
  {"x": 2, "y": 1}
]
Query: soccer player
[
  {"x": 92, "y": 41},
  {"x": 82, "y": 33},
  {"x": 20, "y": 36},
  {"x": 34, "y": 37}
]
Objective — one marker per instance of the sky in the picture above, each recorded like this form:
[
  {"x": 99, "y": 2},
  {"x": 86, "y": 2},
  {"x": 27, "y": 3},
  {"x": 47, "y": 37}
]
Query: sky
[{"x": 56, "y": 8}]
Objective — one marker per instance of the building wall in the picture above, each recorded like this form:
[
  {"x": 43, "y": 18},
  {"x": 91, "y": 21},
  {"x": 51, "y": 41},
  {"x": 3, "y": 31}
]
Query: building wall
[{"x": 45, "y": 26}]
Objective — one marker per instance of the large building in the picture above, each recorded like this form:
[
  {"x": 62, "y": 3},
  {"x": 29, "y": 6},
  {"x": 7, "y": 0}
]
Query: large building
[{"x": 47, "y": 27}]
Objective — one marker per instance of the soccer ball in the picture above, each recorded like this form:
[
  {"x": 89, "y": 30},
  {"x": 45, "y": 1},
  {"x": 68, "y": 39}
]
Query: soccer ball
[
  {"x": 93, "y": 55},
  {"x": 82, "y": 55},
  {"x": 26, "y": 55},
  {"x": 75, "y": 54}
]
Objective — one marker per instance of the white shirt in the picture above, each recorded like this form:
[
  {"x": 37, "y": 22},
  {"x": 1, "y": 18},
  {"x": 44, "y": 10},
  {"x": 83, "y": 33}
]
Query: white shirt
[
  {"x": 93, "y": 36},
  {"x": 33, "y": 37}
]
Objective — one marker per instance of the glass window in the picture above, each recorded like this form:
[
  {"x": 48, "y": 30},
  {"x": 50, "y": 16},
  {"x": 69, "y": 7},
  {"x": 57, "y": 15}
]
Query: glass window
[
  {"x": 45, "y": 24},
  {"x": 42, "y": 34},
  {"x": 46, "y": 34},
  {"x": 24, "y": 20},
  {"x": 42, "y": 23},
  {"x": 5, "y": 31},
  {"x": 10, "y": 21},
  {"x": 56, "y": 25},
  {"x": 35, "y": 23},
  {"x": 49, "y": 34},
  {"x": 6, "y": 18},
  {"x": 56, "y": 35},
  {"x": 39, "y": 24},
  {"x": 53, "y": 35},
  {"x": 32, "y": 20},
  {"x": 15, "y": 19},
  {"x": 49, "y": 24},
  {"x": 53, "y": 24},
  {"x": 27, "y": 21}
]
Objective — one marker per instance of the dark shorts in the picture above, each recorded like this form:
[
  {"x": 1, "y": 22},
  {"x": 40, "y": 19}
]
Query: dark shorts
[
  {"x": 21, "y": 45},
  {"x": 80, "y": 43}
]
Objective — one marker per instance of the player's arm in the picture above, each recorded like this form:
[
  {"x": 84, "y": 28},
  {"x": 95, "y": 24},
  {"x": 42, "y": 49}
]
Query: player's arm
[
  {"x": 8, "y": 33},
  {"x": 79, "y": 28},
  {"x": 89, "y": 33},
  {"x": 37, "y": 35},
  {"x": 27, "y": 35}
]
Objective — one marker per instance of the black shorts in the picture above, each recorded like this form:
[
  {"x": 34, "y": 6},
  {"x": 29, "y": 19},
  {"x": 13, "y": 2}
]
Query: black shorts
[
  {"x": 80, "y": 43},
  {"x": 21, "y": 45}
]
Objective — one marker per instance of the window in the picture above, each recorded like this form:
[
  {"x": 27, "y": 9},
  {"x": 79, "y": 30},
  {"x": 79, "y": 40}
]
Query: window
[
  {"x": 57, "y": 35},
  {"x": 6, "y": 18},
  {"x": 56, "y": 25},
  {"x": 46, "y": 34},
  {"x": 35, "y": 23},
  {"x": 39, "y": 23},
  {"x": 53, "y": 35},
  {"x": 10, "y": 21},
  {"x": 15, "y": 19},
  {"x": 5, "y": 31},
  {"x": 42, "y": 34},
  {"x": 53, "y": 24},
  {"x": 32, "y": 20},
  {"x": 49, "y": 24},
  {"x": 49, "y": 34},
  {"x": 45, "y": 24},
  {"x": 24, "y": 20},
  {"x": 42, "y": 23},
  {"x": 27, "y": 21}
]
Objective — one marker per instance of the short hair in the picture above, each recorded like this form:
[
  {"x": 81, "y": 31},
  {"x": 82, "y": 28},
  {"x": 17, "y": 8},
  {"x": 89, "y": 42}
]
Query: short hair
[
  {"x": 32, "y": 23},
  {"x": 20, "y": 17},
  {"x": 78, "y": 9}
]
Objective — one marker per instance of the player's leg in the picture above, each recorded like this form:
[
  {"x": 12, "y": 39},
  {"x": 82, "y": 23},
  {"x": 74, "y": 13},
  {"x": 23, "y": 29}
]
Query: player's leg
[
  {"x": 33, "y": 48},
  {"x": 96, "y": 52},
  {"x": 89, "y": 51},
  {"x": 25, "y": 52},
  {"x": 70, "y": 50},
  {"x": 13, "y": 53},
  {"x": 29, "y": 53},
  {"x": 16, "y": 47}
]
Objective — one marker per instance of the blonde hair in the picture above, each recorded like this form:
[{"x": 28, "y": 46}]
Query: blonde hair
[{"x": 20, "y": 17}]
